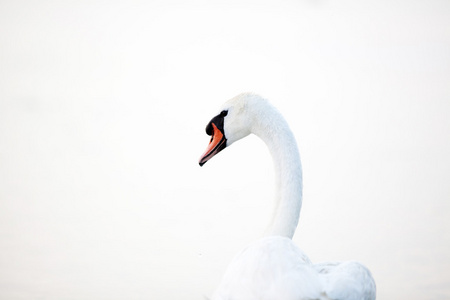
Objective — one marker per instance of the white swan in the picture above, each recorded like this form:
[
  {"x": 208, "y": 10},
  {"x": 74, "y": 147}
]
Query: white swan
[{"x": 273, "y": 267}]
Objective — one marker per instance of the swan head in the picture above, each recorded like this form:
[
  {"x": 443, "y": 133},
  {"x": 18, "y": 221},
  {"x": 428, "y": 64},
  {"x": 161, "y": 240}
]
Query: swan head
[{"x": 234, "y": 122}]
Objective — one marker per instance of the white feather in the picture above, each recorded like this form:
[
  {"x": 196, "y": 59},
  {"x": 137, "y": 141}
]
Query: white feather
[{"x": 273, "y": 267}]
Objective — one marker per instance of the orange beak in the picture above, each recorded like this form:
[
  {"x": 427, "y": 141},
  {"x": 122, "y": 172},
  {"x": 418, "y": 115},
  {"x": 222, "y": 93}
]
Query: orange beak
[{"x": 218, "y": 142}]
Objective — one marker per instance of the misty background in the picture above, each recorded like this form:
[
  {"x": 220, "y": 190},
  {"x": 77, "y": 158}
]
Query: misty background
[{"x": 103, "y": 106}]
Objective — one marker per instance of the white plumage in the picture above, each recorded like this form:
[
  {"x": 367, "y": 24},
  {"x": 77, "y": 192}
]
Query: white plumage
[{"x": 273, "y": 267}]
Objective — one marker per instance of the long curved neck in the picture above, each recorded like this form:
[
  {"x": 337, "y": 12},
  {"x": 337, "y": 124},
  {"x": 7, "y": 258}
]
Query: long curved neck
[{"x": 273, "y": 129}]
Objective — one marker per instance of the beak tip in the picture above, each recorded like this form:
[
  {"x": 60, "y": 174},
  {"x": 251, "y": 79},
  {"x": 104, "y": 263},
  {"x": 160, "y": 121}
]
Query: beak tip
[{"x": 201, "y": 162}]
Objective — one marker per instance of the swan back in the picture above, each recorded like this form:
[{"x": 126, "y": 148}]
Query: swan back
[{"x": 270, "y": 268}]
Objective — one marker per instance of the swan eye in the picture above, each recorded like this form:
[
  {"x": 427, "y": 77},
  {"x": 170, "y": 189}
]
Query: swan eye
[{"x": 218, "y": 121}]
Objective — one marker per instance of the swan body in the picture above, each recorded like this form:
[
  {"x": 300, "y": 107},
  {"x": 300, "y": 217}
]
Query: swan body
[{"x": 273, "y": 267}]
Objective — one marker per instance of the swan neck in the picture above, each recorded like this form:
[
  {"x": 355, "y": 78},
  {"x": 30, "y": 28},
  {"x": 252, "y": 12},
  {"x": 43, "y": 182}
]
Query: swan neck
[{"x": 275, "y": 132}]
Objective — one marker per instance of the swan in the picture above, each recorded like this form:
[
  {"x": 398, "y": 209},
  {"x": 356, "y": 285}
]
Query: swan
[{"x": 273, "y": 267}]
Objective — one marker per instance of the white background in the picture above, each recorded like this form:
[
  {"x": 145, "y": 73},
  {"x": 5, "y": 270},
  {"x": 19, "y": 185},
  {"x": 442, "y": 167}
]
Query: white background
[{"x": 103, "y": 106}]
